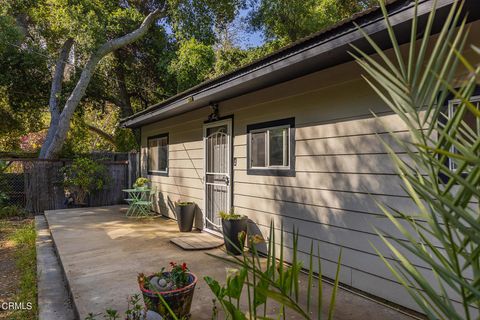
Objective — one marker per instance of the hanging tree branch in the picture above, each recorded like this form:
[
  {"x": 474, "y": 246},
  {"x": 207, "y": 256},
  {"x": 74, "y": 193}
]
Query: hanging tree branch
[{"x": 57, "y": 134}]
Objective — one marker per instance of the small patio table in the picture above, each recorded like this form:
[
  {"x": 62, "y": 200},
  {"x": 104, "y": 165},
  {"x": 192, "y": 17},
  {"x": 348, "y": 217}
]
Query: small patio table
[{"x": 138, "y": 200}]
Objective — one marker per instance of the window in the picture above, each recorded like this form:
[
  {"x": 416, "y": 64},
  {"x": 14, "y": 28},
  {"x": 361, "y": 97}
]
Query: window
[
  {"x": 270, "y": 147},
  {"x": 158, "y": 154},
  {"x": 470, "y": 128}
]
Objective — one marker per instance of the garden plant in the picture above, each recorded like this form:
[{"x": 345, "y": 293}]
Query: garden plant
[
  {"x": 429, "y": 85},
  {"x": 169, "y": 293},
  {"x": 83, "y": 176},
  {"x": 234, "y": 229}
]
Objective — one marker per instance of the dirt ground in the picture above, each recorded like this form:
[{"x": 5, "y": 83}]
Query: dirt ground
[{"x": 9, "y": 274}]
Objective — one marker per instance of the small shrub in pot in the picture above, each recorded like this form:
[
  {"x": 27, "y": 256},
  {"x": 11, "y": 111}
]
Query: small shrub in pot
[
  {"x": 141, "y": 183},
  {"x": 234, "y": 229}
]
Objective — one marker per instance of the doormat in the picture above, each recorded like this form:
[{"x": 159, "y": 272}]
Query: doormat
[{"x": 198, "y": 241}]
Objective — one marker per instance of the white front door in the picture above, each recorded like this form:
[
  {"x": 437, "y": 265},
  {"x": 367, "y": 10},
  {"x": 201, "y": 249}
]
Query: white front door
[{"x": 217, "y": 137}]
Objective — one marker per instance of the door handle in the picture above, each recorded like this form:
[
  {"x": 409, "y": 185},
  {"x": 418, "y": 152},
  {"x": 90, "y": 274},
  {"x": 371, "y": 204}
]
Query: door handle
[{"x": 227, "y": 180}]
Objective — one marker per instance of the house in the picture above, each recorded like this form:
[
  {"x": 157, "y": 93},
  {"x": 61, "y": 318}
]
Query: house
[{"x": 291, "y": 138}]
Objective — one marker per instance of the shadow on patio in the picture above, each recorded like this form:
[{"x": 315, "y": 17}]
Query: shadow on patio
[{"x": 102, "y": 252}]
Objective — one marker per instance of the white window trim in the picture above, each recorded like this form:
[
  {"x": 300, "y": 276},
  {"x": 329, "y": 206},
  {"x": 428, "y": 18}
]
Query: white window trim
[
  {"x": 451, "y": 110},
  {"x": 148, "y": 155},
  {"x": 267, "y": 148}
]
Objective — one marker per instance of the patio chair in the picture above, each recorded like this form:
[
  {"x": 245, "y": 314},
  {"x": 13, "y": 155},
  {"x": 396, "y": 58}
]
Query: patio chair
[
  {"x": 131, "y": 208},
  {"x": 143, "y": 207}
]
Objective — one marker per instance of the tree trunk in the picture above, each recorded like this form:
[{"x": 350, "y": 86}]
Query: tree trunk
[
  {"x": 125, "y": 105},
  {"x": 55, "y": 92},
  {"x": 58, "y": 134}
]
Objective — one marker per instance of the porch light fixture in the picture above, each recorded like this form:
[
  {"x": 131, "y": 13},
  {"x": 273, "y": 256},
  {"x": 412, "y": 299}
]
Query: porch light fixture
[{"x": 214, "y": 115}]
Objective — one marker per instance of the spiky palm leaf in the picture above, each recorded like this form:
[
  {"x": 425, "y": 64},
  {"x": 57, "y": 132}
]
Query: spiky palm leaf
[{"x": 416, "y": 84}]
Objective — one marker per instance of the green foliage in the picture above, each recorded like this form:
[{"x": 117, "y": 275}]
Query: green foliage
[
  {"x": 290, "y": 20},
  {"x": 135, "y": 311},
  {"x": 193, "y": 64},
  {"x": 198, "y": 18},
  {"x": 274, "y": 282},
  {"x": 82, "y": 140},
  {"x": 229, "y": 59},
  {"x": 23, "y": 84},
  {"x": 178, "y": 52},
  {"x": 176, "y": 278},
  {"x": 84, "y": 176},
  {"x": 184, "y": 203},
  {"x": 89, "y": 22},
  {"x": 179, "y": 274},
  {"x": 140, "y": 182},
  {"x": 3, "y": 198},
  {"x": 8, "y": 212},
  {"x": 230, "y": 215},
  {"x": 131, "y": 79},
  {"x": 125, "y": 140},
  {"x": 23, "y": 237},
  {"x": 93, "y": 129},
  {"x": 444, "y": 231}
]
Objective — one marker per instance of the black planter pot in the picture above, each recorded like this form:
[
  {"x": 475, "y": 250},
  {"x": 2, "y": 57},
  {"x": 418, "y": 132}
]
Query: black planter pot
[
  {"x": 185, "y": 216},
  {"x": 231, "y": 230}
]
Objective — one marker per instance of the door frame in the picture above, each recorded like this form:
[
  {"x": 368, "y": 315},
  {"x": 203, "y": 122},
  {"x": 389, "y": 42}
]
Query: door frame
[{"x": 210, "y": 124}]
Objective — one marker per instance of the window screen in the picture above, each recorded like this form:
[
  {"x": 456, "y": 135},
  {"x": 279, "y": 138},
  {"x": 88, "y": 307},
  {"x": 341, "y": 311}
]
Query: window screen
[
  {"x": 158, "y": 154},
  {"x": 270, "y": 147}
]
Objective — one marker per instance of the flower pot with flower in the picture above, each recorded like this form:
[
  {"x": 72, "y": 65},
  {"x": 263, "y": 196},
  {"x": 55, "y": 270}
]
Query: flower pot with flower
[
  {"x": 175, "y": 287},
  {"x": 141, "y": 183}
]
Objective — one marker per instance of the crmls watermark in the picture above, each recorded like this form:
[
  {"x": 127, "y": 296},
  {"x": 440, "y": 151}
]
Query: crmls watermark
[{"x": 16, "y": 306}]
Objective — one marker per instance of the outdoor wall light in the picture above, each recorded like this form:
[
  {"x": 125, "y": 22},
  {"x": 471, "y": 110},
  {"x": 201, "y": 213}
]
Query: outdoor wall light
[{"x": 214, "y": 116}]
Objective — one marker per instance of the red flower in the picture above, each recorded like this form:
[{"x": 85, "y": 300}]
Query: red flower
[{"x": 184, "y": 266}]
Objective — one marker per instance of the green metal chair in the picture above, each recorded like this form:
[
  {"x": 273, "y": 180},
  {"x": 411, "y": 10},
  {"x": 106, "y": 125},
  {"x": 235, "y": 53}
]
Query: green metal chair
[
  {"x": 143, "y": 207},
  {"x": 131, "y": 208}
]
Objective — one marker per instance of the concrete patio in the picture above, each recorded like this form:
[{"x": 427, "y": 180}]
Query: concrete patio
[{"x": 102, "y": 252}]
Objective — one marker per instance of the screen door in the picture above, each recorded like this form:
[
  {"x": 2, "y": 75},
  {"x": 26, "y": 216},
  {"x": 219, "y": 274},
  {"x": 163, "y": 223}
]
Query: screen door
[{"x": 218, "y": 166}]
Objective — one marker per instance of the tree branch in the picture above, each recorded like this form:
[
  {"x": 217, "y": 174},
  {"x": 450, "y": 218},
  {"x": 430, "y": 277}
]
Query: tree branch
[
  {"x": 55, "y": 145},
  {"x": 108, "y": 137},
  {"x": 57, "y": 81}
]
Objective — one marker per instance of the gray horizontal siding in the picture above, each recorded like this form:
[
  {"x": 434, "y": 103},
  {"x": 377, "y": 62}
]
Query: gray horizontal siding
[{"x": 341, "y": 170}]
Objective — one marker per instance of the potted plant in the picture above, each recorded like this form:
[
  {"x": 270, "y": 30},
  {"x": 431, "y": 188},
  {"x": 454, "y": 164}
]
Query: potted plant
[
  {"x": 141, "y": 183},
  {"x": 185, "y": 212},
  {"x": 174, "y": 287},
  {"x": 81, "y": 178},
  {"x": 234, "y": 228}
]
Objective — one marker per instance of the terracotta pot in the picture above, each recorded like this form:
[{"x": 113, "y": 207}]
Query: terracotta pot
[{"x": 179, "y": 300}]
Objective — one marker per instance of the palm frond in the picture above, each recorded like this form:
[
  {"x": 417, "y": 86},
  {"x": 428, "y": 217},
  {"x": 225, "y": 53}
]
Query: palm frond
[{"x": 444, "y": 233}]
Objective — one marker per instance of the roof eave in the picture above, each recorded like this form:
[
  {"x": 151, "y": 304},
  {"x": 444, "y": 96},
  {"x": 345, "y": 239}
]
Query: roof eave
[{"x": 319, "y": 55}]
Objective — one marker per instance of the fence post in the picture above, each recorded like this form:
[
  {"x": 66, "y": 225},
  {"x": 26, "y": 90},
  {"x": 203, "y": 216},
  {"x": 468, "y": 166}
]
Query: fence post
[{"x": 133, "y": 167}]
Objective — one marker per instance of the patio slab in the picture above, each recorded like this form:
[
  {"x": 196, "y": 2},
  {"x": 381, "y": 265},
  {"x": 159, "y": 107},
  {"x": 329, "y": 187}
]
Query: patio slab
[{"x": 102, "y": 251}]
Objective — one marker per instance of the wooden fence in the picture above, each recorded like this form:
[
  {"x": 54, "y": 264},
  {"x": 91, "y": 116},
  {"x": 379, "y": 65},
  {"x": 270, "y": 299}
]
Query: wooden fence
[{"x": 37, "y": 185}]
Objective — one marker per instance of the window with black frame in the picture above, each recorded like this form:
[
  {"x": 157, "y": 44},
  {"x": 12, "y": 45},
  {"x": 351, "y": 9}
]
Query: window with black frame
[
  {"x": 158, "y": 154},
  {"x": 467, "y": 134},
  {"x": 271, "y": 147}
]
